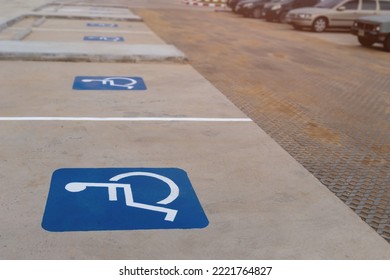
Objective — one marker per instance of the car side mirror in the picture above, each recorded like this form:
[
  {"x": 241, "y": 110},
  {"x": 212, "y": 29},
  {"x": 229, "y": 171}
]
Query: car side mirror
[{"x": 341, "y": 9}]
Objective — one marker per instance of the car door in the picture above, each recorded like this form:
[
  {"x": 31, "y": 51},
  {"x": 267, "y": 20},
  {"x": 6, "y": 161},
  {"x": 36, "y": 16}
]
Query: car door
[{"x": 345, "y": 13}]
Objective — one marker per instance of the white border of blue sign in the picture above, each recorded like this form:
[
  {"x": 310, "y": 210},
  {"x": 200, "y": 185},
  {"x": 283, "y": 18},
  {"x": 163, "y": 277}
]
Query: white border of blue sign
[
  {"x": 108, "y": 83},
  {"x": 94, "y": 199}
]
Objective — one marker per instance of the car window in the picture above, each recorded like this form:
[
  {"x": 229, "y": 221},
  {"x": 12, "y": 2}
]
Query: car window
[
  {"x": 369, "y": 5},
  {"x": 384, "y": 5},
  {"x": 351, "y": 5},
  {"x": 328, "y": 4}
]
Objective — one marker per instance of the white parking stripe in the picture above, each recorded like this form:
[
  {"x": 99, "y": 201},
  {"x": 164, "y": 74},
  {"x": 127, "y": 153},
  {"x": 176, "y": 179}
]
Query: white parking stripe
[{"x": 115, "y": 119}]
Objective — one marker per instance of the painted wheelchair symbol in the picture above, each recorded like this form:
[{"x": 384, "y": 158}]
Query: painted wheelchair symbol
[
  {"x": 114, "y": 82},
  {"x": 112, "y": 192},
  {"x": 110, "y": 39},
  {"x": 104, "y": 38}
]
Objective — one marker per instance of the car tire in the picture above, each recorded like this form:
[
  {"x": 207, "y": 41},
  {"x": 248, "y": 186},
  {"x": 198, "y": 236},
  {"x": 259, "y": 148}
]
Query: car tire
[
  {"x": 319, "y": 24},
  {"x": 386, "y": 43},
  {"x": 257, "y": 13},
  {"x": 365, "y": 42}
]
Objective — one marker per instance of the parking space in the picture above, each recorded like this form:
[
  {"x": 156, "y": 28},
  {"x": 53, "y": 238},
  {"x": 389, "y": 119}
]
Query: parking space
[
  {"x": 254, "y": 210},
  {"x": 95, "y": 36},
  {"x": 36, "y": 28},
  {"x": 171, "y": 91},
  {"x": 70, "y": 9},
  {"x": 78, "y": 8},
  {"x": 100, "y": 25}
]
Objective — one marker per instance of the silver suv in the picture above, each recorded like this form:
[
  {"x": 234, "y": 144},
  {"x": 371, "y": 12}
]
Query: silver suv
[{"x": 336, "y": 13}]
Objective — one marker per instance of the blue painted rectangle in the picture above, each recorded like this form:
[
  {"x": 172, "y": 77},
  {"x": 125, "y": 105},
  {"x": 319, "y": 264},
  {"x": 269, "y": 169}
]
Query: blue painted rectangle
[
  {"x": 93, "y": 199},
  {"x": 104, "y": 38},
  {"x": 108, "y": 83},
  {"x": 94, "y": 24}
]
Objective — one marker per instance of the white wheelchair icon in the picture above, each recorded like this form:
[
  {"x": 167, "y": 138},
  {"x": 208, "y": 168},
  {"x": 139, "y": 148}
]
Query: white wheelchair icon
[
  {"x": 109, "y": 39},
  {"x": 113, "y": 39},
  {"x": 112, "y": 192},
  {"x": 114, "y": 82}
]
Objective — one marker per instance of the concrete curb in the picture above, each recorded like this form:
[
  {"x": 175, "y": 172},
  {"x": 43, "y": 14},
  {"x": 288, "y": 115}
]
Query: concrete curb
[{"x": 59, "y": 51}]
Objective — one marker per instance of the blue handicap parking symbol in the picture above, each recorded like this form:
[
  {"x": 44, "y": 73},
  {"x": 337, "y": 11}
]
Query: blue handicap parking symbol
[
  {"x": 93, "y": 199},
  {"x": 95, "y": 24},
  {"x": 104, "y": 39},
  {"x": 108, "y": 83}
]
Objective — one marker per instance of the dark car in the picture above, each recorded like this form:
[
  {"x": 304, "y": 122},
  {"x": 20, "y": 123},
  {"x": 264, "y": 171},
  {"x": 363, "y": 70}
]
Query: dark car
[
  {"x": 277, "y": 11},
  {"x": 251, "y": 8}
]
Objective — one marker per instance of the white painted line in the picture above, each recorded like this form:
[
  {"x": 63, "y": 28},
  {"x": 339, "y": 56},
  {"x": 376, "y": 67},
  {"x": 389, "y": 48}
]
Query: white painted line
[{"x": 115, "y": 119}]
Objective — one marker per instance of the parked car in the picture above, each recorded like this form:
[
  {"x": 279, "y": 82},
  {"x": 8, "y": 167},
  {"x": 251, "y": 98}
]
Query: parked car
[
  {"x": 336, "y": 13},
  {"x": 278, "y": 10},
  {"x": 373, "y": 29},
  {"x": 252, "y": 8}
]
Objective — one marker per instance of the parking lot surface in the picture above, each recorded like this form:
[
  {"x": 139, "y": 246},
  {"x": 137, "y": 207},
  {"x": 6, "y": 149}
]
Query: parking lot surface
[
  {"x": 91, "y": 152},
  {"x": 322, "y": 97},
  {"x": 247, "y": 184}
]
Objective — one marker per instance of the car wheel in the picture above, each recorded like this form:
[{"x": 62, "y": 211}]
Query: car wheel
[
  {"x": 386, "y": 43},
  {"x": 257, "y": 13},
  {"x": 366, "y": 42},
  {"x": 319, "y": 24}
]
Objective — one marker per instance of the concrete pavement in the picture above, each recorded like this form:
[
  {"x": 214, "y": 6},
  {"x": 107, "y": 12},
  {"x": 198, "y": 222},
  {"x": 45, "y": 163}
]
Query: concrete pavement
[
  {"x": 260, "y": 202},
  {"x": 10, "y": 9}
]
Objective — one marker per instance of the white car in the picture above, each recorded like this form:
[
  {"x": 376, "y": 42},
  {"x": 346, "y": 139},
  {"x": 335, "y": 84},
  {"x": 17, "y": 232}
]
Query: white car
[{"x": 336, "y": 13}]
